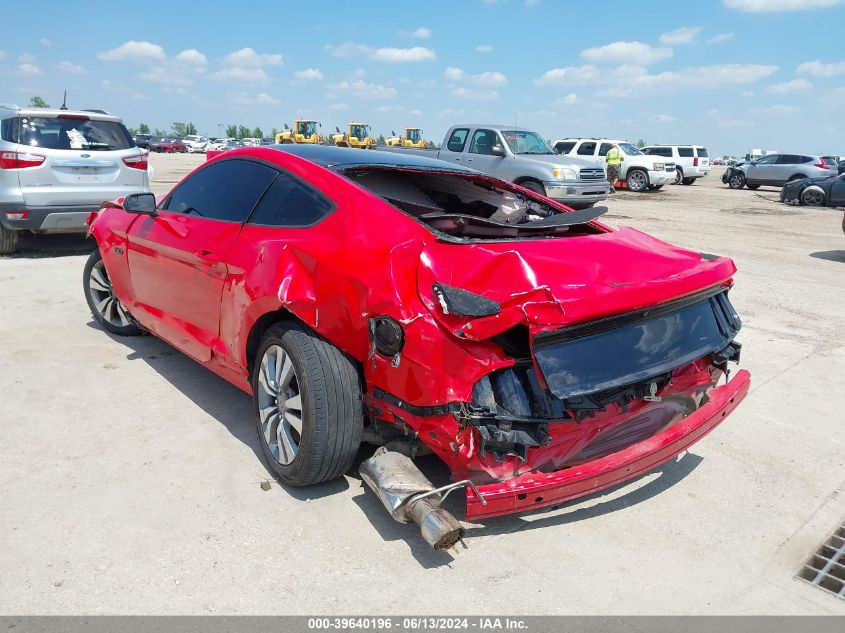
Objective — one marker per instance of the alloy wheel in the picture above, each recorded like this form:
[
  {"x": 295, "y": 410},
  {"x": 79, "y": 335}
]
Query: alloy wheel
[
  {"x": 637, "y": 181},
  {"x": 279, "y": 404},
  {"x": 104, "y": 299},
  {"x": 737, "y": 181},
  {"x": 814, "y": 197}
]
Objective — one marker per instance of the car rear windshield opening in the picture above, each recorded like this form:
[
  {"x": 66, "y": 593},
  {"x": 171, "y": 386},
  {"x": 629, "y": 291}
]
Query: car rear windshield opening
[
  {"x": 70, "y": 133},
  {"x": 466, "y": 206}
]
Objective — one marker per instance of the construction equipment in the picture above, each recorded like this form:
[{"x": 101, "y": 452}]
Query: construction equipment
[
  {"x": 411, "y": 137},
  {"x": 304, "y": 131},
  {"x": 356, "y": 135}
]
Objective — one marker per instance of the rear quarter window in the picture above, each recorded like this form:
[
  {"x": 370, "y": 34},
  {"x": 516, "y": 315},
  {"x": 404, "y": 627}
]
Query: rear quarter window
[
  {"x": 292, "y": 203},
  {"x": 702, "y": 152},
  {"x": 685, "y": 152},
  {"x": 8, "y": 130}
]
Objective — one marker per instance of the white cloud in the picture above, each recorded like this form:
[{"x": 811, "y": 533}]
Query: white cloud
[
  {"x": 241, "y": 75},
  {"x": 29, "y": 69},
  {"x": 403, "y": 55},
  {"x": 663, "y": 118},
  {"x": 364, "y": 90},
  {"x": 614, "y": 92},
  {"x": 390, "y": 108},
  {"x": 719, "y": 38},
  {"x": 386, "y": 54},
  {"x": 820, "y": 69},
  {"x": 487, "y": 79},
  {"x": 71, "y": 68},
  {"x": 243, "y": 99},
  {"x": 192, "y": 57},
  {"x": 456, "y": 74},
  {"x": 568, "y": 75},
  {"x": 250, "y": 58},
  {"x": 415, "y": 113},
  {"x": 339, "y": 106},
  {"x": 777, "y": 109},
  {"x": 761, "y": 6},
  {"x": 626, "y": 53},
  {"x": 26, "y": 58},
  {"x": 309, "y": 74},
  {"x": 790, "y": 86},
  {"x": 45, "y": 42},
  {"x": 134, "y": 51},
  {"x": 166, "y": 77},
  {"x": 484, "y": 48},
  {"x": 625, "y": 79},
  {"x": 421, "y": 33},
  {"x": 475, "y": 95},
  {"x": 683, "y": 35},
  {"x": 570, "y": 99}
]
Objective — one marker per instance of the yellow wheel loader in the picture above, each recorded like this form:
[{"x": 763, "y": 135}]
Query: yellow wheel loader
[
  {"x": 411, "y": 137},
  {"x": 356, "y": 135},
  {"x": 304, "y": 131}
]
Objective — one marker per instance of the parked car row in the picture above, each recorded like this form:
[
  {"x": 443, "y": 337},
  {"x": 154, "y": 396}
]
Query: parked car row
[{"x": 193, "y": 143}]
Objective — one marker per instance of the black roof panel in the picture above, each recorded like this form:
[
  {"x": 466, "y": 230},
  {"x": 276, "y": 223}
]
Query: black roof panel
[{"x": 340, "y": 157}]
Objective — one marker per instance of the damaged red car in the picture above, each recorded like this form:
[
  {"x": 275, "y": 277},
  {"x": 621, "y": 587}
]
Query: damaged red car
[{"x": 411, "y": 303}]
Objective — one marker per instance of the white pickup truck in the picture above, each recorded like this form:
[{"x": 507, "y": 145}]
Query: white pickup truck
[{"x": 522, "y": 157}]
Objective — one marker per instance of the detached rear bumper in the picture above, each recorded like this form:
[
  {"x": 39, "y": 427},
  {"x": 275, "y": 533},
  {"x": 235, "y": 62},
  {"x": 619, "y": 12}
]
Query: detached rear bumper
[{"x": 536, "y": 490}]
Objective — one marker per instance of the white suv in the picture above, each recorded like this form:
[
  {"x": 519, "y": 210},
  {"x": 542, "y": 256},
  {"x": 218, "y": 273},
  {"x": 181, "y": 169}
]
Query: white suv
[
  {"x": 639, "y": 171},
  {"x": 691, "y": 161},
  {"x": 56, "y": 166},
  {"x": 195, "y": 144}
]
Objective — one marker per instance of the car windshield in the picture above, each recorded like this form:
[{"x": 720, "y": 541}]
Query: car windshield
[
  {"x": 526, "y": 142},
  {"x": 71, "y": 132},
  {"x": 630, "y": 150}
]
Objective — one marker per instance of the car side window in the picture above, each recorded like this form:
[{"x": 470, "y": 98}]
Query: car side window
[
  {"x": 483, "y": 142},
  {"x": 457, "y": 140},
  {"x": 587, "y": 149},
  {"x": 767, "y": 160},
  {"x": 291, "y": 202},
  {"x": 789, "y": 159},
  {"x": 685, "y": 152},
  {"x": 564, "y": 147},
  {"x": 226, "y": 190},
  {"x": 604, "y": 149}
]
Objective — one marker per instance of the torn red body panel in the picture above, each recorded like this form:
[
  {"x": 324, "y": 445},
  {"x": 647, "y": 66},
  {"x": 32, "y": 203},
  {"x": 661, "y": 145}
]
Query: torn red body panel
[{"x": 544, "y": 354}]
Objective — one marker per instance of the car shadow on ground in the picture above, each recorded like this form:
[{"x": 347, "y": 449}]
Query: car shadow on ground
[
  {"x": 234, "y": 410},
  {"x": 831, "y": 256},
  {"x": 56, "y": 245}
]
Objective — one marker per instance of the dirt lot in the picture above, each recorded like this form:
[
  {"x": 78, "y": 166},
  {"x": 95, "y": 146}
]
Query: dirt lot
[{"x": 130, "y": 480}]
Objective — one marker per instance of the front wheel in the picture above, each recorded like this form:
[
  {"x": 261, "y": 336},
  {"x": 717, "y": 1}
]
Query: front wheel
[
  {"x": 106, "y": 308},
  {"x": 533, "y": 185},
  {"x": 637, "y": 180},
  {"x": 737, "y": 181},
  {"x": 655, "y": 187},
  {"x": 813, "y": 197},
  {"x": 308, "y": 398}
]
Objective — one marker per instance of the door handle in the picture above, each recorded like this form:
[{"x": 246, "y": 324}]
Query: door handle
[
  {"x": 205, "y": 256},
  {"x": 469, "y": 160}
]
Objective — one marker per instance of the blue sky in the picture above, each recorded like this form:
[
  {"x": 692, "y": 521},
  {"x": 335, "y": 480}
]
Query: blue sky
[{"x": 733, "y": 74}]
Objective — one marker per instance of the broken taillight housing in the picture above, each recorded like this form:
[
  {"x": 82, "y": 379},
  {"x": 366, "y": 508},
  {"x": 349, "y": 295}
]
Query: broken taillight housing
[{"x": 20, "y": 160}]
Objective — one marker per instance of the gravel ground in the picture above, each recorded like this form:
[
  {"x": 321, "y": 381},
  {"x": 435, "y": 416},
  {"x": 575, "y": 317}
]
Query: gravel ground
[{"x": 130, "y": 481}]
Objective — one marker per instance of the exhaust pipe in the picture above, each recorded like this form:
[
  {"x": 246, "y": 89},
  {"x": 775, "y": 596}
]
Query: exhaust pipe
[{"x": 410, "y": 497}]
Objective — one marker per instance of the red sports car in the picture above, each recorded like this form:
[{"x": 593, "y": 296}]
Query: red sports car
[
  {"x": 169, "y": 146},
  {"x": 412, "y": 303}
]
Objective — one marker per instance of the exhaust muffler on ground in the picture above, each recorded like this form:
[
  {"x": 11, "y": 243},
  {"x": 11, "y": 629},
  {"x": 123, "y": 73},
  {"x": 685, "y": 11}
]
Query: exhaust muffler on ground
[{"x": 410, "y": 497}]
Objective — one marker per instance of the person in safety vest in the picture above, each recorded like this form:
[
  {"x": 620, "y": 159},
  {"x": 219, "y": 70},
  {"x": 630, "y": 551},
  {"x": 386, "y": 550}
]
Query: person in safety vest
[{"x": 614, "y": 160}]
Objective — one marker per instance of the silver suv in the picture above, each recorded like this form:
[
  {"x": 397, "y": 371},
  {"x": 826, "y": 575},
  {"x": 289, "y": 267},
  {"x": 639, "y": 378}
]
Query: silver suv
[
  {"x": 778, "y": 169},
  {"x": 56, "y": 166}
]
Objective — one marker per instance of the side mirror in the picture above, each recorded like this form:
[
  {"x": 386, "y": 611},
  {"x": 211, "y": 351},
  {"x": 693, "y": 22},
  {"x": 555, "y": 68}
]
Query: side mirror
[
  {"x": 143, "y": 203},
  {"x": 498, "y": 150}
]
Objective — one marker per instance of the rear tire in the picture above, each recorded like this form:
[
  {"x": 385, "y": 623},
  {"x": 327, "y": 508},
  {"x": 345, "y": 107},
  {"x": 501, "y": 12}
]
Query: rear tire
[
  {"x": 105, "y": 307},
  {"x": 8, "y": 240},
  {"x": 752, "y": 187},
  {"x": 301, "y": 380},
  {"x": 679, "y": 176},
  {"x": 688, "y": 181}
]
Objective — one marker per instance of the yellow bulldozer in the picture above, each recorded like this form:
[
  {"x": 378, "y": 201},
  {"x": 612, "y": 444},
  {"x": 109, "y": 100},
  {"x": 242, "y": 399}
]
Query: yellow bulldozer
[
  {"x": 356, "y": 135},
  {"x": 411, "y": 137},
  {"x": 304, "y": 131}
]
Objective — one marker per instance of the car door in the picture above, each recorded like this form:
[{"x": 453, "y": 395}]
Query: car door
[
  {"x": 479, "y": 154},
  {"x": 453, "y": 150},
  {"x": 837, "y": 192},
  {"x": 785, "y": 167},
  {"x": 589, "y": 151},
  {"x": 761, "y": 171},
  {"x": 177, "y": 259}
]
